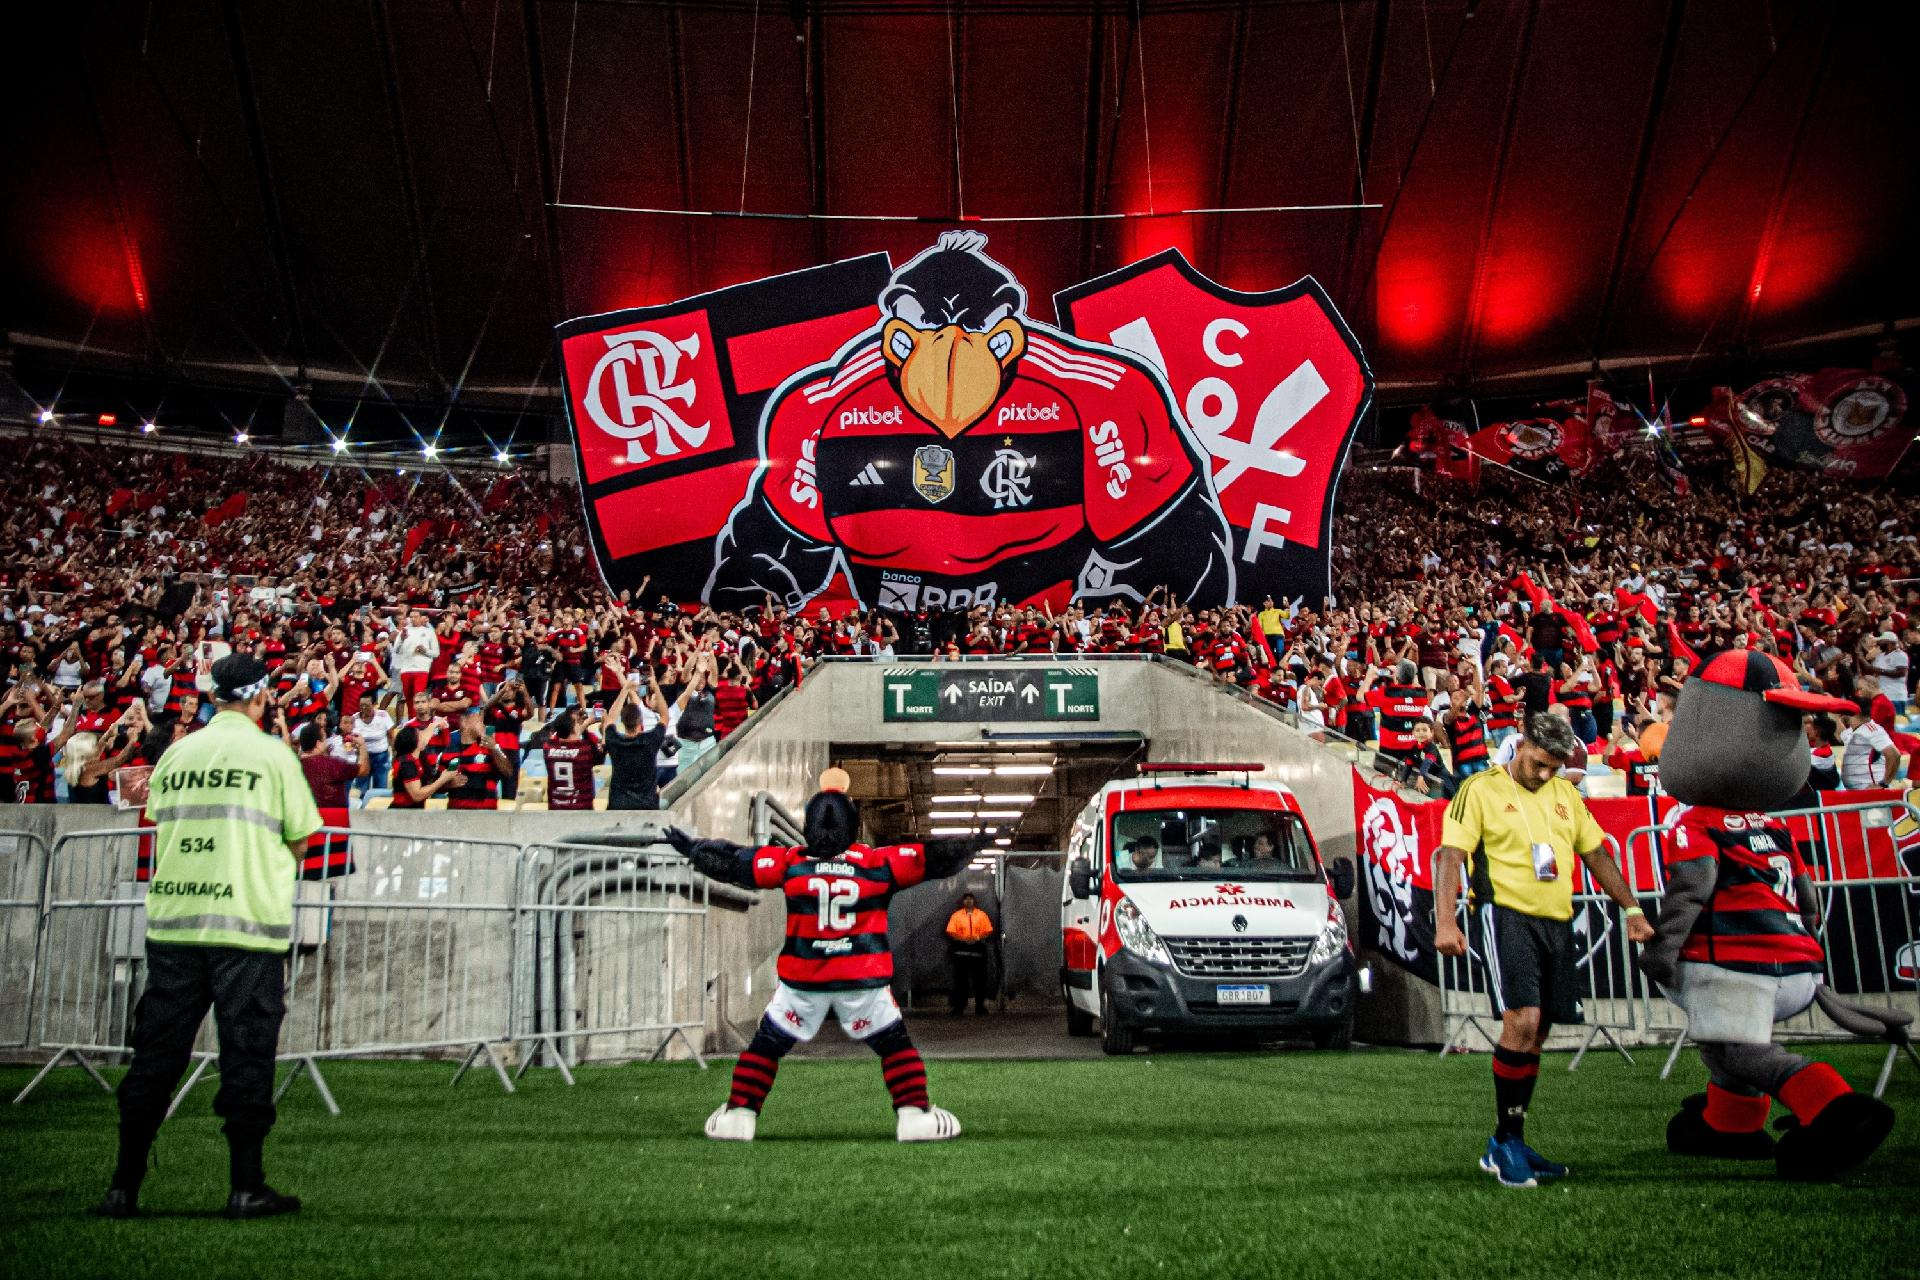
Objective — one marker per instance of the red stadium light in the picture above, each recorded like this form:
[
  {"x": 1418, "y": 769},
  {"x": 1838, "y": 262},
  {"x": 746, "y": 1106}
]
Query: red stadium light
[
  {"x": 108, "y": 419},
  {"x": 1696, "y": 422}
]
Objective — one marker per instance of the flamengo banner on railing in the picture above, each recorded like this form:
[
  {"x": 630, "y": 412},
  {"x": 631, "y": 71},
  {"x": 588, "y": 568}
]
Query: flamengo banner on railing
[
  {"x": 914, "y": 439},
  {"x": 1398, "y": 837}
]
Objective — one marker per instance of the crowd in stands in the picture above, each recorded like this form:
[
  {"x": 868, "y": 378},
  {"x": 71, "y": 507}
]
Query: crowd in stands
[{"x": 433, "y": 635}]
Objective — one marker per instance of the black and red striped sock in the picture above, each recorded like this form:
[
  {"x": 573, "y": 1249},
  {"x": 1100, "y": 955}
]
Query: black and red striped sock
[
  {"x": 901, "y": 1067},
  {"x": 753, "y": 1073},
  {"x": 1514, "y": 1074}
]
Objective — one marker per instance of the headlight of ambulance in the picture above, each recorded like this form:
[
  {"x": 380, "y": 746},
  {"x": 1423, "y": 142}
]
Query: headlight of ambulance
[
  {"x": 1332, "y": 939},
  {"x": 1137, "y": 936}
]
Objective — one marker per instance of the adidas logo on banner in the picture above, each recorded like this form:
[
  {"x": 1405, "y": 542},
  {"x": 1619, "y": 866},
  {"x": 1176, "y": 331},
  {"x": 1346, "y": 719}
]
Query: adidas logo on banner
[{"x": 869, "y": 474}]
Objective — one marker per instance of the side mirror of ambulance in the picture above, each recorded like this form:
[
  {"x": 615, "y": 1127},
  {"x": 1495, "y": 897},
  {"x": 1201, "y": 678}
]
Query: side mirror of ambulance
[
  {"x": 1341, "y": 874},
  {"x": 1080, "y": 878}
]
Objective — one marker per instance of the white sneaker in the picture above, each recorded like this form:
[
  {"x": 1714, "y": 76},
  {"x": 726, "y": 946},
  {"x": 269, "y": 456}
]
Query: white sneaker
[
  {"x": 732, "y": 1124},
  {"x": 935, "y": 1124}
]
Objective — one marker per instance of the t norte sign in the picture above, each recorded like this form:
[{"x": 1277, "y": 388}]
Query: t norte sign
[{"x": 989, "y": 693}]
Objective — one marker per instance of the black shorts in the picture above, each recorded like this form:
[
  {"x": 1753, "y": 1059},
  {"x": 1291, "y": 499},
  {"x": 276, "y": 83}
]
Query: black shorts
[
  {"x": 575, "y": 673},
  {"x": 1527, "y": 961}
]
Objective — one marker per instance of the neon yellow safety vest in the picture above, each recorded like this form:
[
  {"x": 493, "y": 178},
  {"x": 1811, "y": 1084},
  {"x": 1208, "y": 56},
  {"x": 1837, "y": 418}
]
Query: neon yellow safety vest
[{"x": 227, "y": 800}]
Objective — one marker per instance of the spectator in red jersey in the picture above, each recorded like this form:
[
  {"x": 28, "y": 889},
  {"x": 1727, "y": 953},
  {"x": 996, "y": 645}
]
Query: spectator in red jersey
[
  {"x": 327, "y": 774},
  {"x": 479, "y": 763},
  {"x": 508, "y": 712},
  {"x": 1625, "y": 755},
  {"x": 363, "y": 676},
  {"x": 733, "y": 701},
  {"x": 571, "y": 754},
  {"x": 311, "y": 693},
  {"x": 415, "y": 779}
]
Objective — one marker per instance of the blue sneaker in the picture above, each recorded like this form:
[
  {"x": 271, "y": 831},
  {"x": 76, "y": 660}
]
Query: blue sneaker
[
  {"x": 1541, "y": 1166},
  {"x": 1507, "y": 1161}
]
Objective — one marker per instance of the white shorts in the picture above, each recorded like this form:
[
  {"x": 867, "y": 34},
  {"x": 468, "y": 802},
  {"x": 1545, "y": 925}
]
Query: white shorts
[
  {"x": 860, "y": 1013},
  {"x": 1724, "y": 1005}
]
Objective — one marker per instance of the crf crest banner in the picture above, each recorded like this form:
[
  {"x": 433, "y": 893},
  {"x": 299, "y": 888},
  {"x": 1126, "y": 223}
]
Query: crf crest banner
[
  {"x": 913, "y": 439},
  {"x": 1273, "y": 384}
]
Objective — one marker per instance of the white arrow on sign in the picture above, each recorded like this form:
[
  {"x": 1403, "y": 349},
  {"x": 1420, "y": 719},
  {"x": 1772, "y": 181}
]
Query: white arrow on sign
[
  {"x": 953, "y": 693},
  {"x": 1028, "y": 694}
]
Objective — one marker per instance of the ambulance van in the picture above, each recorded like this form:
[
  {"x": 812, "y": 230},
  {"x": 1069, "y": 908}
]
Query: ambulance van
[{"x": 1196, "y": 901}]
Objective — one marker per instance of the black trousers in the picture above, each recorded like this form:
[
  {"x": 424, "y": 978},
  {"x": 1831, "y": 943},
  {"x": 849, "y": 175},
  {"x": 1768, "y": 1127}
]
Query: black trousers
[
  {"x": 969, "y": 975},
  {"x": 247, "y": 992}
]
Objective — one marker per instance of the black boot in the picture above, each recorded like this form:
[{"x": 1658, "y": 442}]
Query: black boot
[
  {"x": 1689, "y": 1134},
  {"x": 1845, "y": 1132},
  {"x": 263, "y": 1203},
  {"x": 129, "y": 1170},
  {"x": 251, "y": 1196}
]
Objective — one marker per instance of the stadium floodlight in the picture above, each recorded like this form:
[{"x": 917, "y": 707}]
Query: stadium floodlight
[
  {"x": 998, "y": 813},
  {"x": 953, "y": 831},
  {"x": 503, "y": 456},
  {"x": 429, "y": 450},
  {"x": 1003, "y": 841},
  {"x": 1022, "y": 770},
  {"x": 339, "y": 444},
  {"x": 45, "y": 416},
  {"x": 961, "y": 771},
  {"x": 148, "y": 428},
  {"x": 239, "y": 437}
]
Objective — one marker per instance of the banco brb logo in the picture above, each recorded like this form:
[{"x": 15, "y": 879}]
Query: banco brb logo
[{"x": 658, "y": 406}]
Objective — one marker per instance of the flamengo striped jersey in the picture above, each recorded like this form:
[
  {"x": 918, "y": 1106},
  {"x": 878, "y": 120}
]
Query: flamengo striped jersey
[
  {"x": 837, "y": 911},
  {"x": 1752, "y": 923}
]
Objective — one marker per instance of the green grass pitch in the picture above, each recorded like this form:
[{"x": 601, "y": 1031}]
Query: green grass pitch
[{"x": 1178, "y": 1165}]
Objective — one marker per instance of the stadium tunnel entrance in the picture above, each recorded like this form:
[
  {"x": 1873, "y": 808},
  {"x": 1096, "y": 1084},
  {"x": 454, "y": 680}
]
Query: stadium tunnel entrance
[
  {"x": 1017, "y": 798},
  {"x": 938, "y": 750}
]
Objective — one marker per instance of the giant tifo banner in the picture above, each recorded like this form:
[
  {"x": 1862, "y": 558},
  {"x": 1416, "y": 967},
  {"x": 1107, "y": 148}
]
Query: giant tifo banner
[
  {"x": 913, "y": 439},
  {"x": 1868, "y": 930}
]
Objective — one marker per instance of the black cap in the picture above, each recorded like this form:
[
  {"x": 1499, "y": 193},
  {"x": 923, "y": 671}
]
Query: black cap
[{"x": 237, "y": 677}]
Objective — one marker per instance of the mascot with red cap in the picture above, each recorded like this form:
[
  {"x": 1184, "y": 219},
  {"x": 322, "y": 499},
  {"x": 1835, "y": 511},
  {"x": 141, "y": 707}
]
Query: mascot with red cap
[
  {"x": 836, "y": 959},
  {"x": 1738, "y": 944}
]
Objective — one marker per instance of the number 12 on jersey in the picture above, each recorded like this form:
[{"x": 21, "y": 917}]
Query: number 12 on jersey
[{"x": 836, "y": 901}]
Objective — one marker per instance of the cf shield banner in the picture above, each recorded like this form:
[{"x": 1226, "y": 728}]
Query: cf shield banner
[
  {"x": 912, "y": 439},
  {"x": 1273, "y": 384}
]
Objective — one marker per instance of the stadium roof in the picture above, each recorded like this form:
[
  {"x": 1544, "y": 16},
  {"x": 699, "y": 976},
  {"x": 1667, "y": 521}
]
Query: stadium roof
[{"x": 419, "y": 191}]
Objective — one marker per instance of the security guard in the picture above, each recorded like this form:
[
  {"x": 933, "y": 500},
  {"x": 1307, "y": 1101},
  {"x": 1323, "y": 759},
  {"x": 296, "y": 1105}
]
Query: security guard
[{"x": 233, "y": 813}]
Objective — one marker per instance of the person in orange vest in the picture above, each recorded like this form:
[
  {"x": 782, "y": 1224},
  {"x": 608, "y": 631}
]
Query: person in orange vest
[{"x": 968, "y": 931}]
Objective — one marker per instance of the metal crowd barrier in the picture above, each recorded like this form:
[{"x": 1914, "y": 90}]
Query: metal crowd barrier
[
  {"x": 617, "y": 942},
  {"x": 1608, "y": 985},
  {"x": 1869, "y": 924},
  {"x": 23, "y": 870},
  {"x": 420, "y": 946},
  {"x": 410, "y": 955}
]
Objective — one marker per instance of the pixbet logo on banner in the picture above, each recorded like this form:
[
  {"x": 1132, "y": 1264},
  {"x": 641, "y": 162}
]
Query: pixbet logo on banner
[{"x": 652, "y": 393}]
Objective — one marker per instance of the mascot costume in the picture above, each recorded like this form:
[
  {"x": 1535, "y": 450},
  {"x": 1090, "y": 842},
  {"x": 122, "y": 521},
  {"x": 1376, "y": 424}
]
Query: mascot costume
[
  {"x": 836, "y": 958},
  {"x": 1737, "y": 944}
]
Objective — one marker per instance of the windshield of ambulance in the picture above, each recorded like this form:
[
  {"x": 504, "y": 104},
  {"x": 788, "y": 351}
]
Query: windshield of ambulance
[{"x": 1203, "y": 844}]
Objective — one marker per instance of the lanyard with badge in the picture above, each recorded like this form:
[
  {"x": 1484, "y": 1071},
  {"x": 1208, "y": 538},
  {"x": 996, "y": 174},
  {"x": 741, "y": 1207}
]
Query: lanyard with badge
[{"x": 1546, "y": 865}]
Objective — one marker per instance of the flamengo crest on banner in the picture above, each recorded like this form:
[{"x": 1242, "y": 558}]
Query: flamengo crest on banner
[{"x": 840, "y": 431}]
